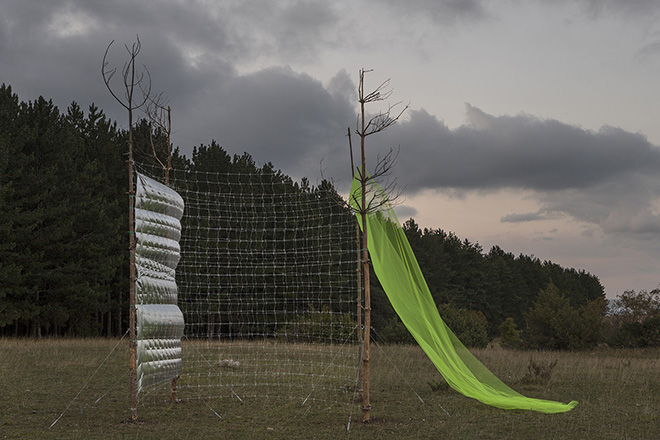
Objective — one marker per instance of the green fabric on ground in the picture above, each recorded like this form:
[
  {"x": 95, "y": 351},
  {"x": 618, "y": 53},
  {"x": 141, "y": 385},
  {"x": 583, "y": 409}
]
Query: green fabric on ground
[{"x": 400, "y": 276}]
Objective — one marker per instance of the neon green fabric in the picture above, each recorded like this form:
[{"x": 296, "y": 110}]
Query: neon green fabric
[{"x": 400, "y": 276}]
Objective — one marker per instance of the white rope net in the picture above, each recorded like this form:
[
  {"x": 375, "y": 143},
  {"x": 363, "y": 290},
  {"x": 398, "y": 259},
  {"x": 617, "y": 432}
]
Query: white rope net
[{"x": 267, "y": 285}]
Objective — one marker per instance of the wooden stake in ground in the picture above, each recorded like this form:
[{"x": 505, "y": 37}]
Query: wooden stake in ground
[
  {"x": 358, "y": 270},
  {"x": 370, "y": 202},
  {"x": 132, "y": 79}
]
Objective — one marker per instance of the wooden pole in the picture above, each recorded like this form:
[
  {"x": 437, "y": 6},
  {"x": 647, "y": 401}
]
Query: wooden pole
[
  {"x": 128, "y": 73},
  {"x": 174, "y": 388},
  {"x": 359, "y": 309},
  {"x": 132, "y": 344},
  {"x": 358, "y": 270},
  {"x": 175, "y": 379},
  {"x": 366, "y": 351},
  {"x": 169, "y": 146},
  {"x": 132, "y": 339},
  {"x": 366, "y": 398}
]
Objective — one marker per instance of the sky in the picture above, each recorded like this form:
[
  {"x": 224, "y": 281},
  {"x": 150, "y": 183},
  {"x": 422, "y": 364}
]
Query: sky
[{"x": 532, "y": 124}]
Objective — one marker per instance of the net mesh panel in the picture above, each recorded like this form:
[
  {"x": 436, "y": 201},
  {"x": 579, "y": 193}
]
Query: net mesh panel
[{"x": 267, "y": 286}]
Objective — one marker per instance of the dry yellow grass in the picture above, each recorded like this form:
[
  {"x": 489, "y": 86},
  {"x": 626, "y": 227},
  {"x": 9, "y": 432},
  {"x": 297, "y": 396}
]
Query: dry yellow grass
[{"x": 618, "y": 391}]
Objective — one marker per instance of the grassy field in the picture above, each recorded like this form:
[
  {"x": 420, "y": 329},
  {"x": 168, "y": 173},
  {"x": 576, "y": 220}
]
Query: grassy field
[{"x": 618, "y": 391}]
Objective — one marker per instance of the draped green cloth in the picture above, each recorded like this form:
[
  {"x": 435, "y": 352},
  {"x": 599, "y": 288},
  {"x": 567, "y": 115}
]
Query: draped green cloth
[{"x": 400, "y": 276}]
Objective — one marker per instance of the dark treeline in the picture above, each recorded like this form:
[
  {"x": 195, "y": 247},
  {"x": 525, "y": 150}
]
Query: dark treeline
[
  {"x": 62, "y": 220},
  {"x": 64, "y": 247},
  {"x": 497, "y": 285}
]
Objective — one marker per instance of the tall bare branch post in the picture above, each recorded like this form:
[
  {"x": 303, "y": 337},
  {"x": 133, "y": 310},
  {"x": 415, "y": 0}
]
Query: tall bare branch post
[
  {"x": 371, "y": 202},
  {"x": 132, "y": 79}
]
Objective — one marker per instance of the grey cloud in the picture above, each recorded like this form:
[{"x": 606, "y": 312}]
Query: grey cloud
[
  {"x": 404, "y": 212},
  {"x": 637, "y": 8},
  {"x": 644, "y": 9},
  {"x": 496, "y": 152},
  {"x": 233, "y": 30},
  {"x": 281, "y": 116},
  {"x": 523, "y": 217},
  {"x": 440, "y": 11},
  {"x": 191, "y": 50},
  {"x": 588, "y": 232},
  {"x": 452, "y": 12},
  {"x": 305, "y": 21},
  {"x": 342, "y": 85},
  {"x": 55, "y": 47},
  {"x": 624, "y": 207},
  {"x": 606, "y": 178},
  {"x": 648, "y": 51}
]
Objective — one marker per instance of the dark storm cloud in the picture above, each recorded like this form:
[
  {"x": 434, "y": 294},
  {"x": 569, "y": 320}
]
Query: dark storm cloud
[
  {"x": 495, "y": 152},
  {"x": 281, "y": 116},
  {"x": 607, "y": 177},
  {"x": 191, "y": 50},
  {"x": 57, "y": 45}
]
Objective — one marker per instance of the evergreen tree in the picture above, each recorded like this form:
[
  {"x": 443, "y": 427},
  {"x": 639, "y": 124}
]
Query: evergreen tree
[
  {"x": 509, "y": 334},
  {"x": 59, "y": 215},
  {"x": 552, "y": 323}
]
